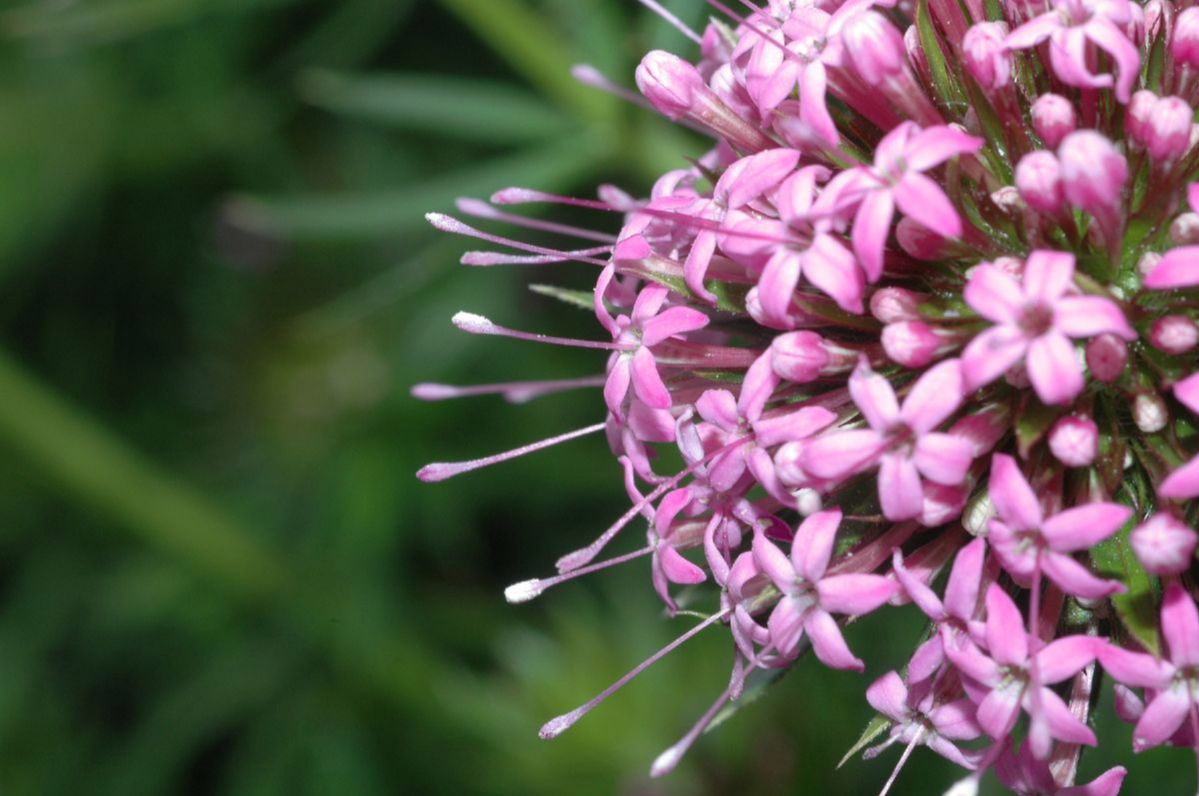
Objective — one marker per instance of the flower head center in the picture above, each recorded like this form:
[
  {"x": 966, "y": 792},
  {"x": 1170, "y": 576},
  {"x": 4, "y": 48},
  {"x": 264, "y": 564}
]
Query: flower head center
[{"x": 1036, "y": 319}]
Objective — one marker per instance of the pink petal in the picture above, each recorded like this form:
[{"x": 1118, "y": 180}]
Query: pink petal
[
  {"x": 792, "y": 426},
  {"x": 1107, "y": 36},
  {"x": 668, "y": 509},
  {"x": 758, "y": 387},
  {"x": 924, "y": 597},
  {"x": 926, "y": 660},
  {"x": 1075, "y": 579},
  {"x": 617, "y": 385},
  {"x": 813, "y": 107},
  {"x": 998, "y": 712},
  {"x": 970, "y": 661},
  {"x": 601, "y": 290},
  {"x": 875, "y": 398},
  {"x": 679, "y": 569},
  {"x": 1066, "y": 657},
  {"x": 647, "y": 383},
  {"x": 1187, "y": 390},
  {"x": 1162, "y": 718},
  {"x": 1135, "y": 668},
  {"x": 1033, "y": 32},
  {"x": 961, "y": 592},
  {"x": 933, "y": 398},
  {"x": 1178, "y": 268},
  {"x": 813, "y": 544},
  {"x": 1011, "y": 495},
  {"x": 1180, "y": 626},
  {"x": 1106, "y": 784},
  {"x": 855, "y": 595},
  {"x": 1016, "y": 556},
  {"x": 923, "y": 200},
  {"x": 943, "y": 458},
  {"x": 786, "y": 625},
  {"x": 676, "y": 320},
  {"x": 720, "y": 408},
  {"x": 991, "y": 354},
  {"x": 1054, "y": 369},
  {"x": 871, "y": 226},
  {"x": 776, "y": 288},
  {"x": 934, "y": 146},
  {"x": 1087, "y": 316},
  {"x": 899, "y": 488},
  {"x": 762, "y": 172},
  {"x": 994, "y": 295},
  {"x": 840, "y": 453},
  {"x": 1006, "y": 636},
  {"x": 833, "y": 270},
  {"x": 888, "y": 695},
  {"x": 828, "y": 643},
  {"x": 695, "y": 268},
  {"x": 1047, "y": 274},
  {"x": 649, "y": 301},
  {"x": 1183, "y": 483},
  {"x": 956, "y": 720},
  {"x": 774, "y": 563},
  {"x": 1084, "y": 526},
  {"x": 1063, "y": 724}
]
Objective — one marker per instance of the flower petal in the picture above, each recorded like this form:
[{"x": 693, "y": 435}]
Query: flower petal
[
  {"x": 899, "y": 489},
  {"x": 997, "y": 713},
  {"x": 933, "y": 398},
  {"x": 923, "y": 200},
  {"x": 875, "y": 398},
  {"x": 1183, "y": 483},
  {"x": 888, "y": 695},
  {"x": 1162, "y": 718},
  {"x": 719, "y": 407},
  {"x": 840, "y": 453},
  {"x": 1006, "y": 636},
  {"x": 961, "y": 592},
  {"x": 1075, "y": 579},
  {"x": 1047, "y": 274},
  {"x": 994, "y": 295},
  {"x": 1180, "y": 626},
  {"x": 991, "y": 354},
  {"x": 1054, "y": 369},
  {"x": 1063, "y": 724},
  {"x": 1178, "y": 268},
  {"x": 616, "y": 387},
  {"x": 1187, "y": 390},
  {"x": 813, "y": 544},
  {"x": 855, "y": 595},
  {"x": 1066, "y": 657},
  {"x": 934, "y": 146},
  {"x": 828, "y": 643},
  {"x": 1084, "y": 526},
  {"x": 774, "y": 563},
  {"x": 786, "y": 625},
  {"x": 871, "y": 226},
  {"x": 1087, "y": 316},
  {"x": 678, "y": 569},
  {"x": 943, "y": 458},
  {"x": 674, "y": 321},
  {"x": 1011, "y": 495},
  {"x": 647, "y": 382},
  {"x": 1134, "y": 668}
]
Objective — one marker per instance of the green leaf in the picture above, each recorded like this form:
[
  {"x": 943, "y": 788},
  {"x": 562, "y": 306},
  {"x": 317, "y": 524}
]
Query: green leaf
[
  {"x": 877, "y": 726},
  {"x": 389, "y": 213},
  {"x": 947, "y": 91},
  {"x": 576, "y": 298},
  {"x": 1137, "y": 607},
  {"x": 1033, "y": 423},
  {"x": 476, "y": 110}
]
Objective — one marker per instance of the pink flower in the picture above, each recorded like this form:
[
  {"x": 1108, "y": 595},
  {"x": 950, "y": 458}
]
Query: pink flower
[
  {"x": 1028, "y": 776},
  {"x": 1179, "y": 267},
  {"x": 1007, "y": 679},
  {"x": 1071, "y": 26},
  {"x": 1170, "y": 677},
  {"x": 901, "y": 439},
  {"x": 1163, "y": 544},
  {"x": 811, "y": 596},
  {"x": 897, "y": 179},
  {"x": 1183, "y": 483},
  {"x": 1026, "y": 541},
  {"x": 1034, "y": 323},
  {"x": 919, "y": 717}
]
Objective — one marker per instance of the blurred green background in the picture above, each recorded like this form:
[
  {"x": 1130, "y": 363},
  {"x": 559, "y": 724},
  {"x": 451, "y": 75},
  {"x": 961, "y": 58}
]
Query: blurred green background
[{"x": 218, "y": 574}]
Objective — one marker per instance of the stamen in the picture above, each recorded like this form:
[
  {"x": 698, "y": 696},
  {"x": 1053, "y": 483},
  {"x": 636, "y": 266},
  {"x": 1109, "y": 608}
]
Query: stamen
[
  {"x": 488, "y": 259},
  {"x": 673, "y": 21},
  {"x": 560, "y": 724},
  {"x": 522, "y": 196},
  {"x": 453, "y": 226},
  {"x": 517, "y": 392},
  {"x": 480, "y": 209},
  {"x": 668, "y": 760},
  {"x": 477, "y": 324},
  {"x": 588, "y": 75},
  {"x": 440, "y": 471},
  {"x": 529, "y": 589},
  {"x": 903, "y": 759},
  {"x": 585, "y": 555}
]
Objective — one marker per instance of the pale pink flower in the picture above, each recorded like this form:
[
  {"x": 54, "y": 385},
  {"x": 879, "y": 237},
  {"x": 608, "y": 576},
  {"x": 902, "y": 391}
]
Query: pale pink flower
[
  {"x": 1034, "y": 323},
  {"x": 918, "y": 717}
]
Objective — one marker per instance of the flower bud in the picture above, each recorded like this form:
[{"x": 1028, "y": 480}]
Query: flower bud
[
  {"x": 1008, "y": 199},
  {"x": 1053, "y": 118},
  {"x": 894, "y": 304},
  {"x": 1168, "y": 134},
  {"x": 1184, "y": 230},
  {"x": 1163, "y": 544},
  {"x": 787, "y": 465},
  {"x": 1174, "y": 334},
  {"x": 669, "y": 83},
  {"x": 986, "y": 57},
  {"x": 1137, "y": 116},
  {"x": 1149, "y": 412},
  {"x": 1039, "y": 180},
  {"x": 913, "y": 344},
  {"x": 1093, "y": 172},
  {"x": 1185, "y": 44},
  {"x": 1107, "y": 355},
  {"x": 799, "y": 356},
  {"x": 918, "y": 241},
  {"x": 1074, "y": 441},
  {"x": 1147, "y": 264},
  {"x": 874, "y": 46}
]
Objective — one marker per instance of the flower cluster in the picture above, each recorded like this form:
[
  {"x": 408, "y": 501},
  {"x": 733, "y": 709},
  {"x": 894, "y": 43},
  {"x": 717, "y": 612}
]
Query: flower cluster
[{"x": 928, "y": 304}]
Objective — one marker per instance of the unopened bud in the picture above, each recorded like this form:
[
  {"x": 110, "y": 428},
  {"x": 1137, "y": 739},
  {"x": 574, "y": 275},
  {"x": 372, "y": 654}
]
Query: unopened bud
[
  {"x": 1093, "y": 172},
  {"x": 1174, "y": 334},
  {"x": 1149, "y": 412},
  {"x": 1053, "y": 118},
  {"x": 1185, "y": 44},
  {"x": 1074, "y": 441},
  {"x": 1008, "y": 199},
  {"x": 1107, "y": 355},
  {"x": 1168, "y": 134},
  {"x": 799, "y": 356},
  {"x": 1163, "y": 544},
  {"x": 1184, "y": 230},
  {"x": 669, "y": 83},
  {"x": 1039, "y": 180},
  {"x": 894, "y": 304},
  {"x": 1137, "y": 116},
  {"x": 918, "y": 241},
  {"x": 913, "y": 344},
  {"x": 874, "y": 46},
  {"x": 986, "y": 57},
  {"x": 1148, "y": 264}
]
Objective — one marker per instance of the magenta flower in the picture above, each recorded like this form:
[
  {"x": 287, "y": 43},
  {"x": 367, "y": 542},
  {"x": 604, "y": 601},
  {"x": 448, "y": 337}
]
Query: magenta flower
[
  {"x": 1034, "y": 321},
  {"x": 919, "y": 718},
  {"x": 897, "y": 179},
  {"x": 1027, "y": 542},
  {"x": 1025, "y": 775},
  {"x": 901, "y": 440},
  {"x": 1171, "y": 678},
  {"x": 811, "y": 596},
  {"x": 1007, "y": 676}
]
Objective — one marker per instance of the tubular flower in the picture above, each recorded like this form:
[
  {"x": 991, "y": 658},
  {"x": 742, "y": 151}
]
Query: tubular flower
[{"x": 920, "y": 327}]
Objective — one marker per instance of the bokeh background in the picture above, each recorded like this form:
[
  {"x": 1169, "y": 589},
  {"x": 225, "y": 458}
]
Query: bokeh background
[{"x": 218, "y": 574}]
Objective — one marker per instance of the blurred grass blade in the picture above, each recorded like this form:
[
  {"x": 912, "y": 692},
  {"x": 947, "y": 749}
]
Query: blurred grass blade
[
  {"x": 353, "y": 31},
  {"x": 114, "y": 20},
  {"x": 535, "y": 49},
  {"x": 101, "y": 471},
  {"x": 392, "y": 213},
  {"x": 491, "y": 112}
]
